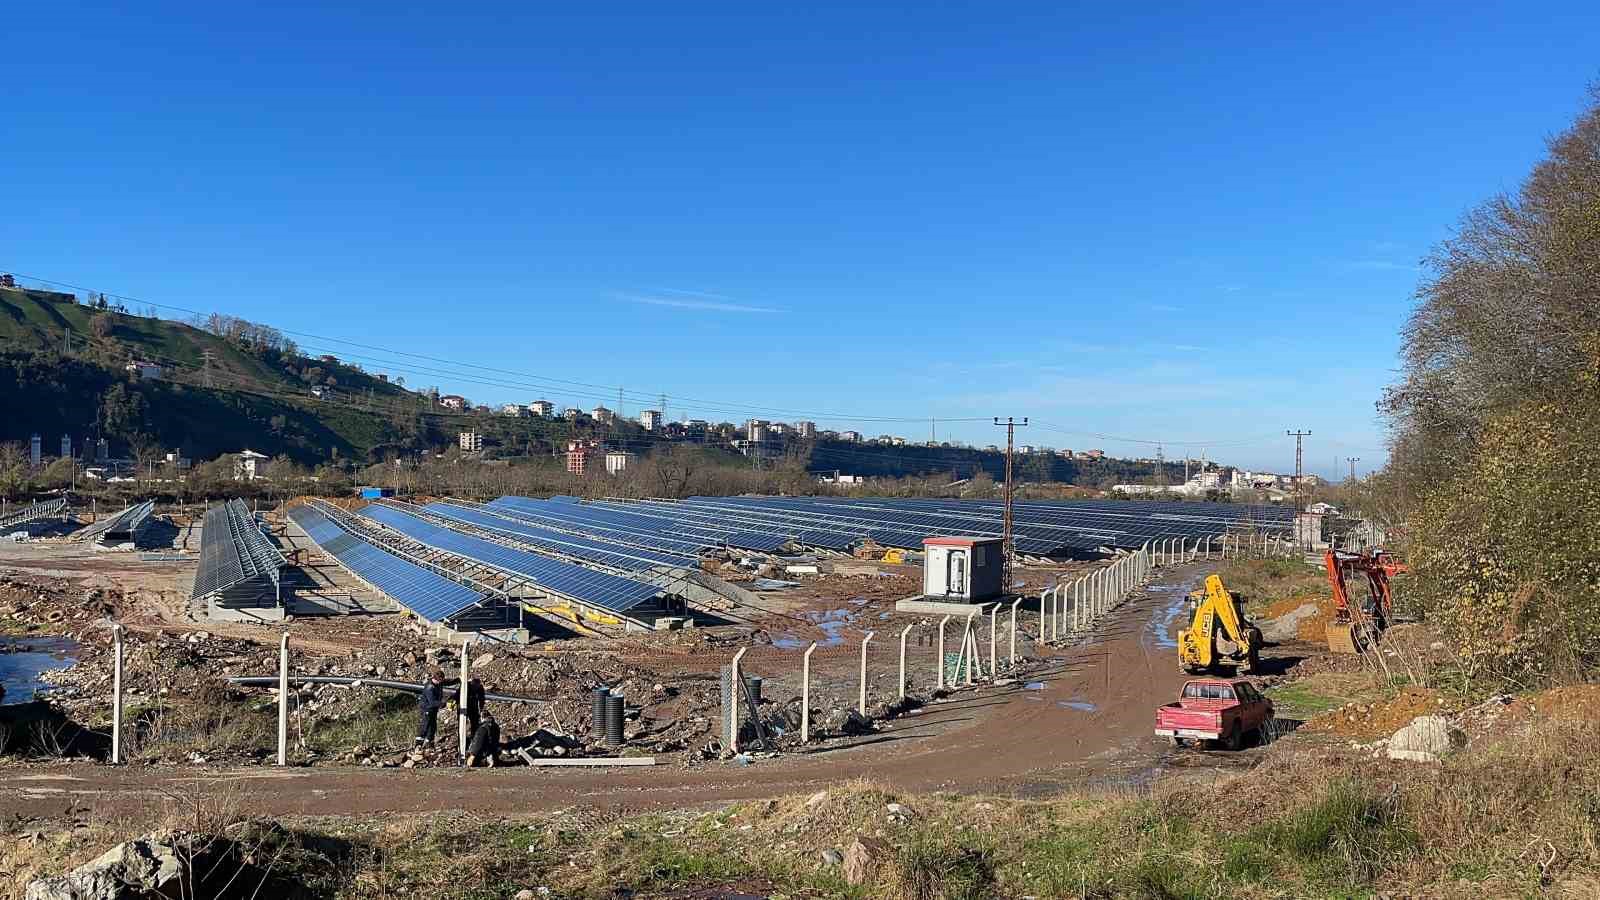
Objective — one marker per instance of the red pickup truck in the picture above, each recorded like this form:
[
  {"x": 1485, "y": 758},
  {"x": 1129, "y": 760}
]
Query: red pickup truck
[{"x": 1221, "y": 710}]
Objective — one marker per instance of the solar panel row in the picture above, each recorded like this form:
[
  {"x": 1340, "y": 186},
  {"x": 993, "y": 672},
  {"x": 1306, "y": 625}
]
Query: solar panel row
[
  {"x": 767, "y": 523},
  {"x": 233, "y": 551},
  {"x": 588, "y": 549},
  {"x": 586, "y": 586},
  {"x": 426, "y": 593},
  {"x": 128, "y": 520},
  {"x": 41, "y": 510}
]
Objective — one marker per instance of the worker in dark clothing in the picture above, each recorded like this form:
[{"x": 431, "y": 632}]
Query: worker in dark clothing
[
  {"x": 472, "y": 704},
  {"x": 429, "y": 702},
  {"x": 485, "y": 743}
]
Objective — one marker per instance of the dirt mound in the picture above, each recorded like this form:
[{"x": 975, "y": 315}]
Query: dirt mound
[
  {"x": 1309, "y": 628},
  {"x": 1381, "y": 718}
]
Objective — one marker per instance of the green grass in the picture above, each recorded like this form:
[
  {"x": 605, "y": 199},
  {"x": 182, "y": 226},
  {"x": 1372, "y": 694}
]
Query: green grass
[{"x": 1303, "y": 699}]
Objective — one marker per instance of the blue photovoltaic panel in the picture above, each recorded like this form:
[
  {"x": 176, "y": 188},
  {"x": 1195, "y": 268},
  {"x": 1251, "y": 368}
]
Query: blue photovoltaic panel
[
  {"x": 424, "y": 592},
  {"x": 583, "y": 585},
  {"x": 591, "y": 549},
  {"x": 707, "y": 533},
  {"x": 562, "y": 518}
]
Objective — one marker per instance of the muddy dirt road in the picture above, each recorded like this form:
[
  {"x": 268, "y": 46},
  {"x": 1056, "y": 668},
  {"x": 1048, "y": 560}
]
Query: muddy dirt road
[{"x": 1087, "y": 717}]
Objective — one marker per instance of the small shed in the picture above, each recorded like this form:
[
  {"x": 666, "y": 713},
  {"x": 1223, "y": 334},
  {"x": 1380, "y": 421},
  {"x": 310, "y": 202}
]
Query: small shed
[{"x": 963, "y": 569}]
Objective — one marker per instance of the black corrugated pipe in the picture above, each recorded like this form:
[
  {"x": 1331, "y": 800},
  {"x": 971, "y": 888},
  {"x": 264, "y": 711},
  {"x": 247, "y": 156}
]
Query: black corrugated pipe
[
  {"x": 614, "y": 719},
  {"x": 597, "y": 728},
  {"x": 272, "y": 681}
]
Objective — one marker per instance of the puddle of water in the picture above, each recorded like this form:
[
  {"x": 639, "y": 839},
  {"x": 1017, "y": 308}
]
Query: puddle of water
[
  {"x": 832, "y": 623},
  {"x": 1160, "y": 630},
  {"x": 23, "y": 660},
  {"x": 1034, "y": 686},
  {"x": 858, "y": 601},
  {"x": 1079, "y": 705}
]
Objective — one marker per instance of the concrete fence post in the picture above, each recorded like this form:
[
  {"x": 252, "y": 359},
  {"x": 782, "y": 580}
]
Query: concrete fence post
[
  {"x": 971, "y": 639},
  {"x": 805, "y": 690},
  {"x": 461, "y": 702},
  {"x": 737, "y": 688},
  {"x": 1045, "y": 618},
  {"x": 116, "y": 696},
  {"x": 943, "y": 622},
  {"x": 1014, "y": 604},
  {"x": 904, "y": 633},
  {"x": 1077, "y": 606},
  {"x": 283, "y": 699},
  {"x": 862, "y": 706},
  {"x": 994, "y": 629}
]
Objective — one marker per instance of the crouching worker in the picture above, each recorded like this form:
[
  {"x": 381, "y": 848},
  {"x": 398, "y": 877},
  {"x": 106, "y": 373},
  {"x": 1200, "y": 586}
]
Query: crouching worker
[{"x": 485, "y": 744}]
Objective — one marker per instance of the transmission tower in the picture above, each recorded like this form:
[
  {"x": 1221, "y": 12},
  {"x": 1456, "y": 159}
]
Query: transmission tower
[
  {"x": 1299, "y": 467},
  {"x": 1008, "y": 546},
  {"x": 1352, "y": 460}
]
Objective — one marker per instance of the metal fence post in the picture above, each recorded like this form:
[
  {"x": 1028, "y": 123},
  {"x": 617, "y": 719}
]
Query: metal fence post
[
  {"x": 283, "y": 699},
  {"x": 805, "y": 692},
  {"x": 943, "y": 622},
  {"x": 116, "y": 697}
]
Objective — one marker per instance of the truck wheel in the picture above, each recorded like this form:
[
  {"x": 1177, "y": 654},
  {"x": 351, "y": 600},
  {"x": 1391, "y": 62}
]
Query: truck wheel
[
  {"x": 1235, "y": 738},
  {"x": 1179, "y": 742}
]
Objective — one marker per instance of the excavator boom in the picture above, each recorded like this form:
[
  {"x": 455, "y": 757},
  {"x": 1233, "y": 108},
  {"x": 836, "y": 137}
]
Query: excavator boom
[{"x": 1217, "y": 614}]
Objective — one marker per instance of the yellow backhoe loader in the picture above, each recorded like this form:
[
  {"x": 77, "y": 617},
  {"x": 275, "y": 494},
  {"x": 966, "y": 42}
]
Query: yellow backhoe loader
[{"x": 1219, "y": 635}]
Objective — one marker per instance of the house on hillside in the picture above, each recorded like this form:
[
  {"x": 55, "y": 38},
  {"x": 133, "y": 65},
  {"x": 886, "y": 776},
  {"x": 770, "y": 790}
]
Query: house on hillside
[
  {"x": 453, "y": 401},
  {"x": 247, "y": 465},
  {"x": 144, "y": 371}
]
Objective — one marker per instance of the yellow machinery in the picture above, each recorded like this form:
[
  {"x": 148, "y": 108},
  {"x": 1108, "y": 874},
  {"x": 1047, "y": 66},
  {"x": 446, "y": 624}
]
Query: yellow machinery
[{"x": 1219, "y": 633}]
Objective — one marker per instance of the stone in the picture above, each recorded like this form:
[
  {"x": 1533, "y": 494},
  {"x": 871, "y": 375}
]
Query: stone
[
  {"x": 1432, "y": 736},
  {"x": 483, "y": 660},
  {"x": 832, "y": 857},
  {"x": 897, "y": 810},
  {"x": 816, "y": 800},
  {"x": 862, "y": 859},
  {"x": 525, "y": 894},
  {"x": 150, "y": 865}
]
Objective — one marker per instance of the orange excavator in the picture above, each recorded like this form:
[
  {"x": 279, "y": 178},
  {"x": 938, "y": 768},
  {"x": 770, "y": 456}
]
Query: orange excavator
[{"x": 1357, "y": 626}]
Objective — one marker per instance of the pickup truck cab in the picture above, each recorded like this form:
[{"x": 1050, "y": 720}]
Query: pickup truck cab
[{"x": 1221, "y": 710}]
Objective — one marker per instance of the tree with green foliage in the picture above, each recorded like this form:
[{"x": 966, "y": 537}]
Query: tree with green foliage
[{"x": 1493, "y": 423}]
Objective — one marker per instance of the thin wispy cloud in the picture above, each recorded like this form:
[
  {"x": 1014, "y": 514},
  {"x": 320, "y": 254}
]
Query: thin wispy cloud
[{"x": 693, "y": 300}]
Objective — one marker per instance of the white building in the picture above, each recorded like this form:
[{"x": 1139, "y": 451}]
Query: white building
[
  {"x": 453, "y": 401},
  {"x": 806, "y": 430},
  {"x": 471, "y": 441},
  {"x": 758, "y": 430},
  {"x": 544, "y": 409},
  {"x": 247, "y": 467},
  {"x": 852, "y": 436},
  {"x": 572, "y": 414},
  {"x": 515, "y": 410},
  {"x": 617, "y": 461},
  {"x": 145, "y": 371},
  {"x": 603, "y": 416},
  {"x": 650, "y": 419}
]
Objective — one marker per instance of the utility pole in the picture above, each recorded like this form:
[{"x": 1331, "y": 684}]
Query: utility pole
[
  {"x": 1352, "y": 460},
  {"x": 1161, "y": 466},
  {"x": 1008, "y": 546},
  {"x": 1299, "y": 468},
  {"x": 206, "y": 355}
]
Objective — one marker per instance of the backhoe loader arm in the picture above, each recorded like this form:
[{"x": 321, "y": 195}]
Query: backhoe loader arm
[{"x": 1218, "y": 598}]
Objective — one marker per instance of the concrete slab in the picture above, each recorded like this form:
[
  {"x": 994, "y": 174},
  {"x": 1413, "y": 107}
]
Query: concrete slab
[{"x": 938, "y": 607}]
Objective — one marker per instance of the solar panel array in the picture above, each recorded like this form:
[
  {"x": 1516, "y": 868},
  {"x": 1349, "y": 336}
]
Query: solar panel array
[
  {"x": 579, "y": 547},
  {"x": 234, "y": 552},
  {"x": 426, "y": 593},
  {"x": 662, "y": 531},
  {"x": 587, "y": 586},
  {"x": 128, "y": 521},
  {"x": 44, "y": 509},
  {"x": 1043, "y": 528}
]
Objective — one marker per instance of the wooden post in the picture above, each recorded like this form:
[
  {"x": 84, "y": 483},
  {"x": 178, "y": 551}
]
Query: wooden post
[
  {"x": 283, "y": 699},
  {"x": 805, "y": 693},
  {"x": 942, "y": 622},
  {"x": 461, "y": 703},
  {"x": 116, "y": 697},
  {"x": 904, "y": 633},
  {"x": 862, "y": 706}
]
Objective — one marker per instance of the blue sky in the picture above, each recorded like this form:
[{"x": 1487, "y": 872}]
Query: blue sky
[{"x": 1195, "y": 223}]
